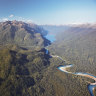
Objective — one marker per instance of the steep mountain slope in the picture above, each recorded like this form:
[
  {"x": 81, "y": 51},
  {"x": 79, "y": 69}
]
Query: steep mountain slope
[
  {"x": 21, "y": 33},
  {"x": 53, "y": 29}
]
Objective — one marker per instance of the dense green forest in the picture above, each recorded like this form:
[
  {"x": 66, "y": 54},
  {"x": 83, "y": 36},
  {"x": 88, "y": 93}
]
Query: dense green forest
[
  {"x": 78, "y": 46},
  {"x": 26, "y": 69},
  {"x": 26, "y": 72}
]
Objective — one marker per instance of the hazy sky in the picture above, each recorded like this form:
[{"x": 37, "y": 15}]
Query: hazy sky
[{"x": 49, "y": 11}]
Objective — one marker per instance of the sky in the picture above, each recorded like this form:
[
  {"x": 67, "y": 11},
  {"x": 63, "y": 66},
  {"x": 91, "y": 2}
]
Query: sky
[{"x": 55, "y": 12}]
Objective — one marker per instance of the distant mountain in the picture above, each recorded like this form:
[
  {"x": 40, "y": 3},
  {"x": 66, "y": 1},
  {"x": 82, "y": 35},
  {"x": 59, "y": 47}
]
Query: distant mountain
[
  {"x": 77, "y": 31},
  {"x": 55, "y": 29},
  {"x": 23, "y": 34},
  {"x": 38, "y": 28}
]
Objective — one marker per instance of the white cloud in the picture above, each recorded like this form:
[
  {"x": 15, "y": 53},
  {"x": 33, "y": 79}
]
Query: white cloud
[
  {"x": 24, "y": 20},
  {"x": 4, "y": 19},
  {"x": 11, "y": 16},
  {"x": 20, "y": 18},
  {"x": 28, "y": 21}
]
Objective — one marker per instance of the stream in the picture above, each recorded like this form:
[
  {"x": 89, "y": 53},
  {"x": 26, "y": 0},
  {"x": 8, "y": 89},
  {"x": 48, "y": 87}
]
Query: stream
[{"x": 63, "y": 68}]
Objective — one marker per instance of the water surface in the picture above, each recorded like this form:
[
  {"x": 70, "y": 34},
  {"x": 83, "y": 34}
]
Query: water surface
[{"x": 50, "y": 37}]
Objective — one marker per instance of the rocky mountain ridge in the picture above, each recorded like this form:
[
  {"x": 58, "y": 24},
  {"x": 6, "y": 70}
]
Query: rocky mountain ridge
[{"x": 23, "y": 34}]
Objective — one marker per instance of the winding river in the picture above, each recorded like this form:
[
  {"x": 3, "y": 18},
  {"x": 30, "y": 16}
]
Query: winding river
[
  {"x": 63, "y": 68},
  {"x": 91, "y": 86}
]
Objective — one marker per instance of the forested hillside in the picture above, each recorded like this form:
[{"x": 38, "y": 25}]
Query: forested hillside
[
  {"x": 26, "y": 72},
  {"x": 27, "y": 69},
  {"x": 78, "y": 46}
]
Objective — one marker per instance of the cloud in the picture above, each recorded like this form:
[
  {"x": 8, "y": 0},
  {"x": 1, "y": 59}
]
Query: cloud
[
  {"x": 4, "y": 19},
  {"x": 24, "y": 20},
  {"x": 11, "y": 16},
  {"x": 18, "y": 18},
  {"x": 28, "y": 21}
]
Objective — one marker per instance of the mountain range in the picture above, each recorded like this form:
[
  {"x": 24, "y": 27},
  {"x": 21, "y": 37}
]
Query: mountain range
[
  {"x": 27, "y": 67},
  {"x": 23, "y": 34}
]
